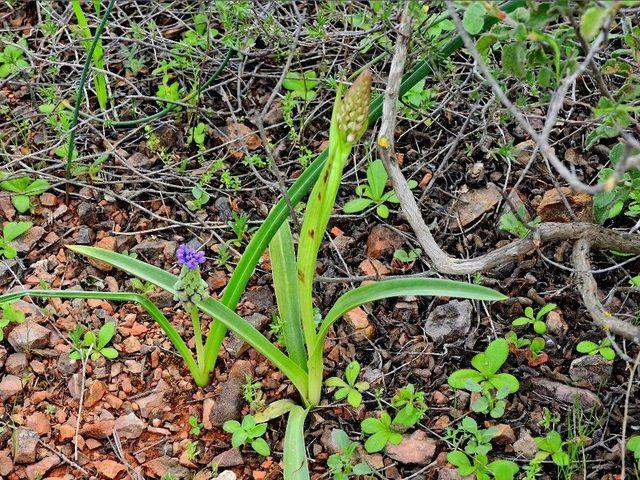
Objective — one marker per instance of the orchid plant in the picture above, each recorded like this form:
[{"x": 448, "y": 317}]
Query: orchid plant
[{"x": 293, "y": 275}]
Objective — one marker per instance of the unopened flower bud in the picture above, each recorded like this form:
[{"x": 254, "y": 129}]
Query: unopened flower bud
[{"x": 354, "y": 109}]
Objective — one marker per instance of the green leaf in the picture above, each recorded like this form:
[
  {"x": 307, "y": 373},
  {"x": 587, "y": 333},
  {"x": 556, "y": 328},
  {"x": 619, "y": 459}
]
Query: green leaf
[
  {"x": 21, "y": 202},
  {"x": 539, "y": 327},
  {"x": 106, "y": 333},
  {"x": 608, "y": 353},
  {"x": 506, "y": 381},
  {"x": 295, "y": 455},
  {"x": 460, "y": 460},
  {"x": 351, "y": 372},
  {"x": 37, "y": 187},
  {"x": 109, "y": 352},
  {"x": 377, "y": 179},
  {"x": 13, "y": 230},
  {"x": 283, "y": 267},
  {"x": 371, "y": 425},
  {"x": 382, "y": 210},
  {"x": 503, "y": 469},
  {"x": 356, "y": 205},
  {"x": 473, "y": 19},
  {"x": 493, "y": 357},
  {"x": 335, "y": 382},
  {"x": 274, "y": 410},
  {"x": 513, "y": 59},
  {"x": 520, "y": 321},
  {"x": 586, "y": 346},
  {"x": 239, "y": 438},
  {"x": 459, "y": 378},
  {"x": 261, "y": 446},
  {"x": 354, "y": 398},
  {"x": 231, "y": 426},
  {"x": 591, "y": 22},
  {"x": 377, "y": 441}
]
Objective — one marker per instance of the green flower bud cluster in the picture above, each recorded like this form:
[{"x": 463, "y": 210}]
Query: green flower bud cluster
[
  {"x": 354, "y": 109},
  {"x": 190, "y": 286}
]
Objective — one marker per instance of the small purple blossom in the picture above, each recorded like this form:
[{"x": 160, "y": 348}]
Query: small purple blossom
[{"x": 189, "y": 257}]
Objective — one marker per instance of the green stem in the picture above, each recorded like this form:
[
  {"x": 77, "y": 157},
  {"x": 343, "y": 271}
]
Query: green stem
[
  {"x": 197, "y": 333},
  {"x": 83, "y": 80}
]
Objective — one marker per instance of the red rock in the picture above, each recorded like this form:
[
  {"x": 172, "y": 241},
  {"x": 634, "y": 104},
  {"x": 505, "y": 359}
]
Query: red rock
[
  {"x": 65, "y": 432},
  {"x": 473, "y": 204},
  {"x": 25, "y": 243},
  {"x": 109, "y": 468},
  {"x": 161, "y": 466},
  {"x": 38, "y": 470},
  {"x": 99, "y": 430},
  {"x": 505, "y": 434},
  {"x": 383, "y": 241},
  {"x": 25, "y": 442},
  {"x": 29, "y": 335},
  {"x": 416, "y": 448},
  {"x": 6, "y": 464},
  {"x": 108, "y": 243},
  {"x": 131, "y": 345},
  {"x": 359, "y": 322},
  {"x": 9, "y": 386},
  {"x": 552, "y": 208},
  {"x": 48, "y": 199},
  {"x": 129, "y": 426},
  {"x": 373, "y": 267},
  {"x": 95, "y": 392},
  {"x": 39, "y": 423}
]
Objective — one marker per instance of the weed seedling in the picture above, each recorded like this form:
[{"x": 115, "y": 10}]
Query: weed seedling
[
  {"x": 349, "y": 388},
  {"x": 253, "y": 394},
  {"x": 10, "y": 314},
  {"x": 12, "y": 59},
  {"x": 196, "y": 427},
  {"x": 552, "y": 446},
  {"x": 373, "y": 192},
  {"x": 407, "y": 256},
  {"x": 381, "y": 431},
  {"x": 10, "y": 232},
  {"x": 200, "y": 199},
  {"x": 24, "y": 187},
  {"x": 485, "y": 379},
  {"x": 510, "y": 222},
  {"x": 248, "y": 432},
  {"x": 410, "y": 406},
  {"x": 633, "y": 445},
  {"x": 535, "y": 319},
  {"x": 602, "y": 348},
  {"x": 86, "y": 344},
  {"x": 343, "y": 464}
]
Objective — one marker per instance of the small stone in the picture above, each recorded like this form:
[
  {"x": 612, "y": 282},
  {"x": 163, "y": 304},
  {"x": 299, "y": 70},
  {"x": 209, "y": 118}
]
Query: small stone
[
  {"x": 129, "y": 426},
  {"x": 505, "y": 434},
  {"x": 9, "y": 386},
  {"x": 565, "y": 393},
  {"x": 359, "y": 322},
  {"x": 228, "y": 403},
  {"x": 25, "y": 442},
  {"x": 131, "y": 345},
  {"x": 84, "y": 236},
  {"x": 552, "y": 208},
  {"x": 38, "y": 470},
  {"x": 66, "y": 432},
  {"x": 450, "y": 321},
  {"x": 383, "y": 241},
  {"x": 16, "y": 364},
  {"x": 86, "y": 213},
  {"x": 66, "y": 364},
  {"x": 416, "y": 448},
  {"x": 373, "y": 267},
  {"x": 25, "y": 243},
  {"x": 108, "y": 243},
  {"x": 236, "y": 346},
  {"x": 226, "y": 475},
  {"x": 3, "y": 355},
  {"x": 109, "y": 468},
  {"x": 439, "y": 398},
  {"x": 29, "y": 335},
  {"x": 100, "y": 430},
  {"x": 95, "y": 392},
  {"x": 165, "y": 466},
  {"x": 230, "y": 458},
  {"x": 140, "y": 160},
  {"x": 154, "y": 402},
  {"x": 525, "y": 445},
  {"x": 473, "y": 204},
  {"x": 39, "y": 423},
  {"x": 556, "y": 324},
  {"x": 6, "y": 464},
  {"x": 48, "y": 200},
  {"x": 590, "y": 371},
  {"x": 329, "y": 441}
]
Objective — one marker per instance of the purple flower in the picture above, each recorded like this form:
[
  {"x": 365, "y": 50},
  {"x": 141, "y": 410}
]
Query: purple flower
[{"x": 189, "y": 257}]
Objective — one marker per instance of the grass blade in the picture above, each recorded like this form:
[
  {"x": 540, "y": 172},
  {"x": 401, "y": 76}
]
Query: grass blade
[
  {"x": 283, "y": 267},
  {"x": 295, "y": 462}
]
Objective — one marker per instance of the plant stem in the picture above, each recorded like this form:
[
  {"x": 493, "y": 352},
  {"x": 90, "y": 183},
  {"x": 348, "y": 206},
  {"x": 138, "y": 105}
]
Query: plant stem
[
  {"x": 197, "y": 333},
  {"x": 83, "y": 80}
]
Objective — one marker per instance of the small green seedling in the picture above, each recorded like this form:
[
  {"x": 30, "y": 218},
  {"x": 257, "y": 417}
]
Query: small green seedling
[
  {"x": 12, "y": 59},
  {"x": 535, "y": 319},
  {"x": 509, "y": 222},
  {"x": 196, "y": 427},
  {"x": 301, "y": 85},
  {"x": 240, "y": 225},
  {"x": 86, "y": 344},
  {"x": 536, "y": 350},
  {"x": 143, "y": 287},
  {"x": 344, "y": 464},
  {"x": 517, "y": 342},
  {"x": 407, "y": 256},
  {"x": 200, "y": 199},
  {"x": 192, "y": 450},
  {"x": 602, "y": 348},
  {"x": 197, "y": 135},
  {"x": 382, "y": 432},
  {"x": 24, "y": 187},
  {"x": 10, "y": 232},
  {"x": 552, "y": 446},
  {"x": 248, "y": 432},
  {"x": 481, "y": 467},
  {"x": 633, "y": 445},
  {"x": 483, "y": 378},
  {"x": 410, "y": 406},
  {"x": 373, "y": 192},
  {"x": 253, "y": 394},
  {"x": 548, "y": 420},
  {"x": 10, "y": 314},
  {"x": 349, "y": 388}
]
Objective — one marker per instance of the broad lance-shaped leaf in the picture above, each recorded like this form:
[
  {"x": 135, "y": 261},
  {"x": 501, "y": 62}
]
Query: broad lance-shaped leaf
[
  {"x": 348, "y": 123},
  {"x": 378, "y": 290},
  {"x": 283, "y": 267},
  {"x": 295, "y": 462},
  {"x": 143, "y": 301}
]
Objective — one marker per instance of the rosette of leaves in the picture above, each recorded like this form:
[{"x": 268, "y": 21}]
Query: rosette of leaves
[{"x": 349, "y": 388}]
